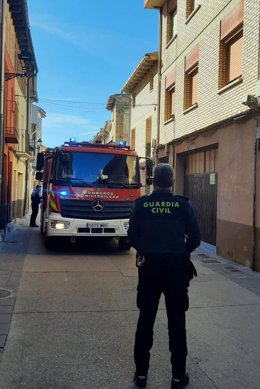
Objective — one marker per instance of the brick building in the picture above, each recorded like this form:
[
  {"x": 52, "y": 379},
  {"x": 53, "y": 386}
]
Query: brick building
[{"x": 209, "y": 96}]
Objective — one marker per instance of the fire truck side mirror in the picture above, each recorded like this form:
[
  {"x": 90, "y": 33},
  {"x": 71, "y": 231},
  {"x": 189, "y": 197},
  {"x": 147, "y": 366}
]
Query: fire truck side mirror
[
  {"x": 39, "y": 176},
  {"x": 149, "y": 171},
  {"x": 40, "y": 161},
  {"x": 149, "y": 180}
]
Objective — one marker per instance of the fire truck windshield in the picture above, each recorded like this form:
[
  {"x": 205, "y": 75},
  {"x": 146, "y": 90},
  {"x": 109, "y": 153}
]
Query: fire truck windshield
[{"x": 97, "y": 169}]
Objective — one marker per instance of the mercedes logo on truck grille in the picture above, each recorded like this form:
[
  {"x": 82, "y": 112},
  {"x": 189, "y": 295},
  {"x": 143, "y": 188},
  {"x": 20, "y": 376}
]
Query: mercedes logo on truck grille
[{"x": 98, "y": 205}]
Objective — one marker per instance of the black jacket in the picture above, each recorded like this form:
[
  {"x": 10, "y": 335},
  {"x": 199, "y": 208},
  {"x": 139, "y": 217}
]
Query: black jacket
[
  {"x": 35, "y": 199},
  {"x": 163, "y": 223}
]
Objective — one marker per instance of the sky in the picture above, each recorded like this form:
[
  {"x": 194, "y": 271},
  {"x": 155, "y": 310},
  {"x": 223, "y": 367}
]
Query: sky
[{"x": 85, "y": 52}]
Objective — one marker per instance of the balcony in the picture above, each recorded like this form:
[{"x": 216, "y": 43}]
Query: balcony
[{"x": 11, "y": 135}]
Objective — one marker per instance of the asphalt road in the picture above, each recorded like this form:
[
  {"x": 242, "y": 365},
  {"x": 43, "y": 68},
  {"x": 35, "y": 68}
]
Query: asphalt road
[{"x": 70, "y": 319}]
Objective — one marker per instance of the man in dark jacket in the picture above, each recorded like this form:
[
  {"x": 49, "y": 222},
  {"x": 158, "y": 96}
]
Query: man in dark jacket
[
  {"x": 35, "y": 201},
  {"x": 164, "y": 231}
]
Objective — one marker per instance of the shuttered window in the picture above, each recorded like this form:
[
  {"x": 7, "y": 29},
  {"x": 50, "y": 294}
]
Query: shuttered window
[
  {"x": 170, "y": 103},
  {"x": 171, "y": 19},
  {"x": 169, "y": 111},
  {"x": 231, "y": 46},
  {"x": 148, "y": 137},
  {"x": 191, "y": 5},
  {"x": 234, "y": 57},
  {"x": 194, "y": 87},
  {"x": 191, "y": 82},
  {"x": 151, "y": 83}
]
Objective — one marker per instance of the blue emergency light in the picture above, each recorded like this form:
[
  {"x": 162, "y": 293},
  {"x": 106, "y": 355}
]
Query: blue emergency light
[
  {"x": 122, "y": 143},
  {"x": 63, "y": 193},
  {"x": 73, "y": 140}
]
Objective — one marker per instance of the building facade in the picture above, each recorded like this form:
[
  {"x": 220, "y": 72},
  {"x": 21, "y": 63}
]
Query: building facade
[
  {"x": 142, "y": 86},
  {"x": 19, "y": 81},
  {"x": 209, "y": 93}
]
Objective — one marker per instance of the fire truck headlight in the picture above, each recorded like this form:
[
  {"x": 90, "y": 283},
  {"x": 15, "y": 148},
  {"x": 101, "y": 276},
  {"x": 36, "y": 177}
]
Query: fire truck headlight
[
  {"x": 126, "y": 225},
  {"x": 60, "y": 225}
]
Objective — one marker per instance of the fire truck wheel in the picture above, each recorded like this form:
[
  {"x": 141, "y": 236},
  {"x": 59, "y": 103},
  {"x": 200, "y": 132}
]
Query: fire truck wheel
[
  {"x": 49, "y": 242},
  {"x": 123, "y": 244}
]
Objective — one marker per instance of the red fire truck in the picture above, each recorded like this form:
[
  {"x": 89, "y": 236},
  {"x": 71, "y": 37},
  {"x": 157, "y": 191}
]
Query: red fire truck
[{"x": 89, "y": 189}]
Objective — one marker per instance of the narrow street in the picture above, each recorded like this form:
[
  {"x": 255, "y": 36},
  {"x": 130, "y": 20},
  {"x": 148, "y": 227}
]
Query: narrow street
[{"x": 72, "y": 317}]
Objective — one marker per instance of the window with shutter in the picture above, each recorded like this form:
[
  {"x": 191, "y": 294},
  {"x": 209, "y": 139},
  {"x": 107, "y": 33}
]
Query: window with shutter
[
  {"x": 148, "y": 137},
  {"x": 191, "y": 79},
  {"x": 191, "y": 5},
  {"x": 231, "y": 46},
  {"x": 171, "y": 20}
]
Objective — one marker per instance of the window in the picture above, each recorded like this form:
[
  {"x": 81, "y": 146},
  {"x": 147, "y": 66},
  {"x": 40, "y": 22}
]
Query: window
[
  {"x": 191, "y": 79},
  {"x": 170, "y": 103},
  {"x": 171, "y": 20},
  {"x": 170, "y": 95},
  {"x": 86, "y": 169},
  {"x": 191, "y": 5},
  {"x": 148, "y": 137},
  {"x": 151, "y": 83},
  {"x": 231, "y": 47}
]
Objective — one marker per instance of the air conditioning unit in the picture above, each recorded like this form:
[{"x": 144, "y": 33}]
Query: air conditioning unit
[{"x": 249, "y": 101}]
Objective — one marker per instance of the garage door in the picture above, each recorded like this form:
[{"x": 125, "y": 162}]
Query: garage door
[{"x": 200, "y": 186}]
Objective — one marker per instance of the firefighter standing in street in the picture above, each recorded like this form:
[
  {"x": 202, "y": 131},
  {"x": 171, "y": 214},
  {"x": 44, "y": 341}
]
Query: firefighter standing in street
[
  {"x": 35, "y": 201},
  {"x": 164, "y": 231}
]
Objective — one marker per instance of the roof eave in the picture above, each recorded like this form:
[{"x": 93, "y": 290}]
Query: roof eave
[
  {"x": 140, "y": 71},
  {"x": 153, "y": 4}
]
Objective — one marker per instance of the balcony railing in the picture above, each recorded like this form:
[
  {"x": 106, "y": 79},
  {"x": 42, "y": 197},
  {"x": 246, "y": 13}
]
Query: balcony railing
[{"x": 11, "y": 135}]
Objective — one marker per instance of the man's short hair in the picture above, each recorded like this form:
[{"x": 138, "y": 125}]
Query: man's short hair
[{"x": 163, "y": 175}]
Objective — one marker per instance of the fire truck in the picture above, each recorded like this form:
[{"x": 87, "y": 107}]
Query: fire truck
[{"x": 89, "y": 190}]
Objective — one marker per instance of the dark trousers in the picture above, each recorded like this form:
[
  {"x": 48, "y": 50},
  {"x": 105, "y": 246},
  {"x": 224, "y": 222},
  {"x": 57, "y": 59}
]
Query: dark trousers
[
  {"x": 162, "y": 274},
  {"x": 34, "y": 215}
]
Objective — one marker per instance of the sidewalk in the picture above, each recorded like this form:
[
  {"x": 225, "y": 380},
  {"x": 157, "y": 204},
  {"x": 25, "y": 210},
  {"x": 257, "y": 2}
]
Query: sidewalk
[
  {"x": 74, "y": 319},
  {"x": 12, "y": 254}
]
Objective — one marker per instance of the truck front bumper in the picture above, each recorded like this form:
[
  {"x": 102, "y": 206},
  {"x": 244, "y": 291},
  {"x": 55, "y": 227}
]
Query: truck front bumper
[{"x": 60, "y": 226}]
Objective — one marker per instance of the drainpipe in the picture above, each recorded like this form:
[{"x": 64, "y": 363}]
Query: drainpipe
[
  {"x": 28, "y": 116},
  {"x": 159, "y": 85},
  {"x": 2, "y": 87}
]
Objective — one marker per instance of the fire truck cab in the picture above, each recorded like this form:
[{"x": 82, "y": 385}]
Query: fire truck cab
[{"x": 89, "y": 190}]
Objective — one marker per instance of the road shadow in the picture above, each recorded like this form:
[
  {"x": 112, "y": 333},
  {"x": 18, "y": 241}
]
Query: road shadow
[{"x": 84, "y": 246}]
